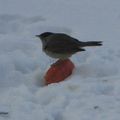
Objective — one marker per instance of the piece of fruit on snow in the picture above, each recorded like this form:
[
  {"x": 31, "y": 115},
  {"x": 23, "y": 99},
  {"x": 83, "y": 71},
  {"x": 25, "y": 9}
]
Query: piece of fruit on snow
[{"x": 59, "y": 71}]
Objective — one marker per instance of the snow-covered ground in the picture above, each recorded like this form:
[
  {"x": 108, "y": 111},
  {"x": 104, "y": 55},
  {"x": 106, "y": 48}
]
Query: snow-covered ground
[{"x": 93, "y": 90}]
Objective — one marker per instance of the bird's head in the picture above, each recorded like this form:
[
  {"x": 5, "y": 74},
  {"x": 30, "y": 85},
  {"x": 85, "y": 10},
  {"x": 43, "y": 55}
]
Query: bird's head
[{"x": 44, "y": 35}]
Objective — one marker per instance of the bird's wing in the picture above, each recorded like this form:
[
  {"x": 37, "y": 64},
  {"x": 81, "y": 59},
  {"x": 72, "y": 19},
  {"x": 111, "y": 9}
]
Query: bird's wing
[{"x": 63, "y": 44}]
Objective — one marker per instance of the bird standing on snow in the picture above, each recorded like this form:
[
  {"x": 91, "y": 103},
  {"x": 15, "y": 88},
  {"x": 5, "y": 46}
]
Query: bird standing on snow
[{"x": 62, "y": 46}]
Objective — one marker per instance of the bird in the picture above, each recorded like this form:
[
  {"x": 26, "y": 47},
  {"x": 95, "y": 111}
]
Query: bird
[{"x": 62, "y": 46}]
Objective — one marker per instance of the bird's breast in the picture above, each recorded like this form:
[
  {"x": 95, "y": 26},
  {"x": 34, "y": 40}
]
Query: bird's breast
[{"x": 57, "y": 55}]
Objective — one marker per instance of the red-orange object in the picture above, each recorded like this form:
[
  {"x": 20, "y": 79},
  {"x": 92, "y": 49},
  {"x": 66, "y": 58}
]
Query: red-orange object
[{"x": 59, "y": 71}]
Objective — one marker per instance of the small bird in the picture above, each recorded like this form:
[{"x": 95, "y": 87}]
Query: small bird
[{"x": 63, "y": 46}]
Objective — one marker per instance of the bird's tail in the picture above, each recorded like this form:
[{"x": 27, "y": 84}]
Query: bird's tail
[{"x": 91, "y": 43}]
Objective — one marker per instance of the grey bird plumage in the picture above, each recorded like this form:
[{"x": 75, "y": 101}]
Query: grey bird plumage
[{"x": 63, "y": 46}]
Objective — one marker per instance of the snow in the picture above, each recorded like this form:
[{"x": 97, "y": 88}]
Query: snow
[{"x": 92, "y": 92}]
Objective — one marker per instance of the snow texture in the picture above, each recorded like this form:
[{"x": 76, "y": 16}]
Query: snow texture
[{"x": 92, "y": 92}]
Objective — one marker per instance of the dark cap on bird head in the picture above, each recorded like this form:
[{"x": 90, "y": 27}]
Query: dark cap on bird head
[{"x": 45, "y": 34}]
